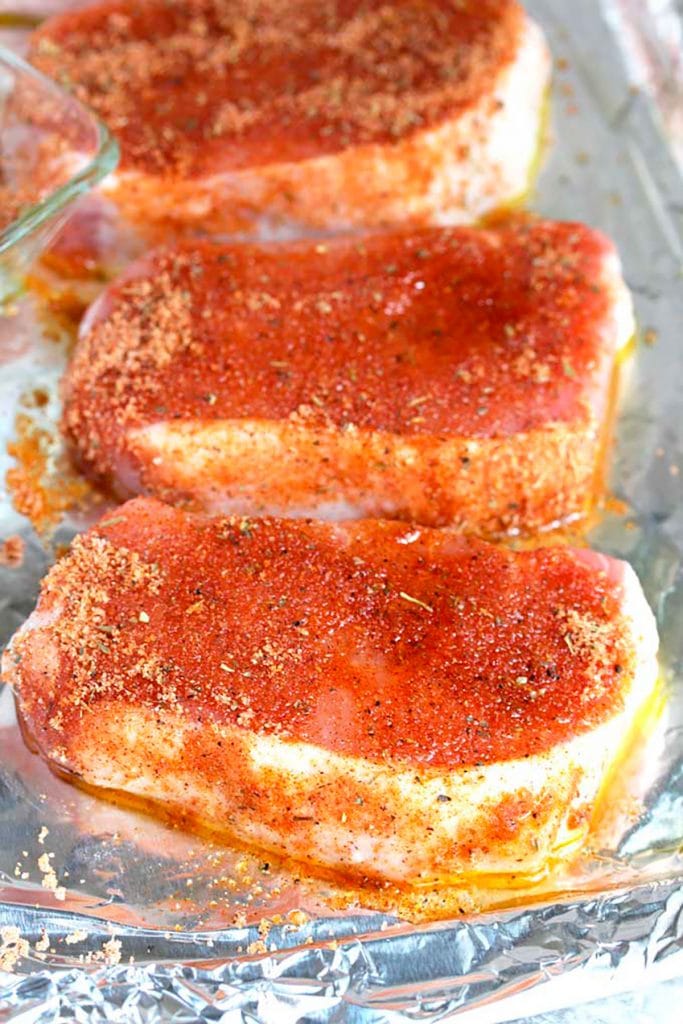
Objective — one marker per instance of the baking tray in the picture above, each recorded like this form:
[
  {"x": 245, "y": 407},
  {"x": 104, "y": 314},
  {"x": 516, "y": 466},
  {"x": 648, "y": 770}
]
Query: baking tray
[{"x": 201, "y": 922}]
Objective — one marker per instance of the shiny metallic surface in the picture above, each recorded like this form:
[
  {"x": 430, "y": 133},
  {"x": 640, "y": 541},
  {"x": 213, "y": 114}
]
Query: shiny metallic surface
[{"x": 168, "y": 898}]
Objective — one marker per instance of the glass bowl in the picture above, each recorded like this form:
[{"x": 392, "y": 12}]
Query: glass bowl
[{"x": 52, "y": 151}]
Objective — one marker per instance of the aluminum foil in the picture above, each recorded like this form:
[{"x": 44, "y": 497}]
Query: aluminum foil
[{"x": 155, "y": 924}]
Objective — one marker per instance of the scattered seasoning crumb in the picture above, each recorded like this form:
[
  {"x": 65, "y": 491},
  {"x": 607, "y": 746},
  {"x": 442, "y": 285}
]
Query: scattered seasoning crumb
[
  {"x": 78, "y": 936},
  {"x": 42, "y": 834},
  {"x": 12, "y": 551},
  {"x": 143, "y": 617},
  {"x": 13, "y": 948},
  {"x": 43, "y": 943},
  {"x": 112, "y": 951},
  {"x": 650, "y": 336},
  {"x": 49, "y": 880}
]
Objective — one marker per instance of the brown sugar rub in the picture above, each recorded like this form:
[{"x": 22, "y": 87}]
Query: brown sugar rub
[
  {"x": 251, "y": 115},
  {"x": 385, "y": 700},
  {"x": 446, "y": 376}
]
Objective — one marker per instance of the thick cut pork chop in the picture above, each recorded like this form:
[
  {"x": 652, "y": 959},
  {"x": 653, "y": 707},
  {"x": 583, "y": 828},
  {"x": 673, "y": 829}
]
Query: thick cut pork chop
[
  {"x": 254, "y": 115},
  {"x": 404, "y": 703},
  {"x": 446, "y": 376}
]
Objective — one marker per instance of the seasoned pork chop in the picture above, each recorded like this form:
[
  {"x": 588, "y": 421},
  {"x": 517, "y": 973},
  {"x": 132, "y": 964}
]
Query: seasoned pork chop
[
  {"x": 442, "y": 375},
  {"x": 260, "y": 115},
  {"x": 404, "y": 703}
]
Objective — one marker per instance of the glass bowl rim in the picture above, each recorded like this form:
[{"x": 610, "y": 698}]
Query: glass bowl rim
[{"x": 102, "y": 163}]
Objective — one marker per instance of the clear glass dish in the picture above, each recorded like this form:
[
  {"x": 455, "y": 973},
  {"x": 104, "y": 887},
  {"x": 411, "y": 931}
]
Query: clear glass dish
[{"x": 52, "y": 151}]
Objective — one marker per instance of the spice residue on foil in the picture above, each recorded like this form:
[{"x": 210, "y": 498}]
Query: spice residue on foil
[
  {"x": 12, "y": 551},
  {"x": 13, "y": 947},
  {"x": 42, "y": 485}
]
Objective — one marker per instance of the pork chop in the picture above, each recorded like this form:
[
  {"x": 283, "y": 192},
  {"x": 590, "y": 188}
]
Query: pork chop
[
  {"x": 446, "y": 376},
  {"x": 263, "y": 115},
  {"x": 403, "y": 703}
]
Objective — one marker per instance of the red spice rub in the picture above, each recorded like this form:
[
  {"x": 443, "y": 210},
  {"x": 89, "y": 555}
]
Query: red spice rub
[
  {"x": 189, "y": 87},
  {"x": 371, "y": 639},
  {"x": 502, "y": 341},
  {"x": 470, "y": 332}
]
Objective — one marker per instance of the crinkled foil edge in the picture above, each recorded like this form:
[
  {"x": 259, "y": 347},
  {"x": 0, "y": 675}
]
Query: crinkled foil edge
[{"x": 465, "y": 969}]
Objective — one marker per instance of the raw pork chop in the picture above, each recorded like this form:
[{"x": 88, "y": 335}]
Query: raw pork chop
[
  {"x": 443, "y": 376},
  {"x": 264, "y": 115},
  {"x": 408, "y": 704}
]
